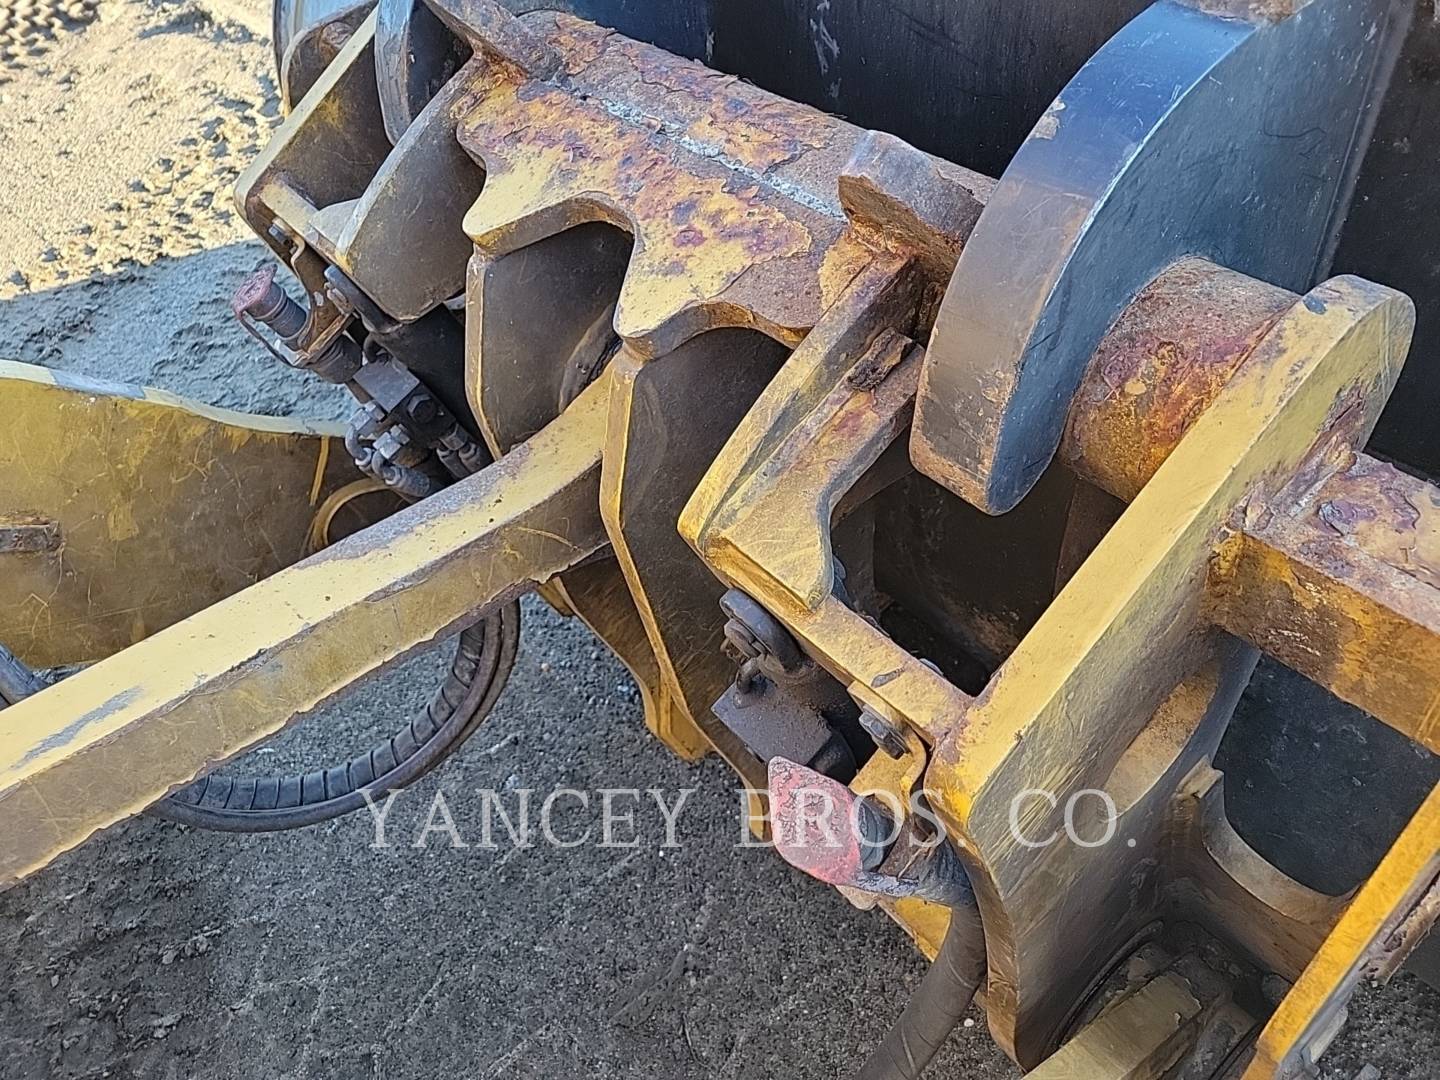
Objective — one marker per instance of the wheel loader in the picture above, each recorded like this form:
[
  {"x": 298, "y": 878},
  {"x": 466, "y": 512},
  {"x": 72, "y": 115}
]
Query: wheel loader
[{"x": 940, "y": 407}]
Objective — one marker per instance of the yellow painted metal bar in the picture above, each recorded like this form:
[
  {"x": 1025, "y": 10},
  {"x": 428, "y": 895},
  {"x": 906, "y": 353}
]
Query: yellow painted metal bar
[
  {"x": 1133, "y": 617},
  {"x": 1312, "y": 1012},
  {"x": 114, "y": 738},
  {"x": 125, "y": 509},
  {"x": 1140, "y": 1038},
  {"x": 1347, "y": 579},
  {"x": 761, "y": 517}
]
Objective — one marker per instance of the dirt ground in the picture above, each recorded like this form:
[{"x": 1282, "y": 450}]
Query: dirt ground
[{"x": 158, "y": 952}]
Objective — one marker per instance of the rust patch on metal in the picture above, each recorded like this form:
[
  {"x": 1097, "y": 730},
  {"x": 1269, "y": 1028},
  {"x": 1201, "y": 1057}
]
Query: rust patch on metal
[
  {"x": 882, "y": 357},
  {"x": 28, "y": 535},
  {"x": 1346, "y": 574},
  {"x": 906, "y": 199},
  {"x": 1159, "y": 367},
  {"x": 1387, "y": 514},
  {"x": 633, "y": 142},
  {"x": 741, "y": 121},
  {"x": 731, "y": 193}
]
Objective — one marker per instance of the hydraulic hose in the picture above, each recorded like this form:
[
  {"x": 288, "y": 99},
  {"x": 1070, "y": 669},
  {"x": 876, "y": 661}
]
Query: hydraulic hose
[
  {"x": 937, "y": 1005},
  {"x": 16, "y": 680}
]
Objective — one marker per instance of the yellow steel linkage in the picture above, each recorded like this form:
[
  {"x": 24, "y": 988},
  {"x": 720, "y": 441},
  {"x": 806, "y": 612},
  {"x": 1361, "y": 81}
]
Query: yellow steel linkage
[
  {"x": 1123, "y": 685},
  {"x": 196, "y": 694},
  {"x": 1387, "y": 918},
  {"x": 756, "y": 281}
]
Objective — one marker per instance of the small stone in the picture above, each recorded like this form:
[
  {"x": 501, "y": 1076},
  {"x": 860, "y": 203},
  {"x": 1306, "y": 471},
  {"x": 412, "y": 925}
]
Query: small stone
[{"x": 165, "y": 1023}]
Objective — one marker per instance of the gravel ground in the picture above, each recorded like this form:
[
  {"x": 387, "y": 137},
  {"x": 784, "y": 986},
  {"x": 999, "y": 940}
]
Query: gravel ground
[{"x": 160, "y": 952}]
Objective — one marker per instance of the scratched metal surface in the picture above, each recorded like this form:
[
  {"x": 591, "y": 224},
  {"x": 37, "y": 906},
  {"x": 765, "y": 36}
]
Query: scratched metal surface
[
  {"x": 967, "y": 79},
  {"x": 183, "y": 955}
]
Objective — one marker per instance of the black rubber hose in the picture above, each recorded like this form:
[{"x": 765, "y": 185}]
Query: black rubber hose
[
  {"x": 938, "y": 1004},
  {"x": 483, "y": 659}
]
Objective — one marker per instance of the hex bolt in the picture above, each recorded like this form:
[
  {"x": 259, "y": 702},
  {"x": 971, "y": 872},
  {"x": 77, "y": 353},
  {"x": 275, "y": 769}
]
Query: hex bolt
[
  {"x": 887, "y": 736},
  {"x": 391, "y": 443},
  {"x": 423, "y": 409}
]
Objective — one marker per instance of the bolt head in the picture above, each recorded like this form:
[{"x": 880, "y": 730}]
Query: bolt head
[
  {"x": 423, "y": 409},
  {"x": 886, "y": 735}
]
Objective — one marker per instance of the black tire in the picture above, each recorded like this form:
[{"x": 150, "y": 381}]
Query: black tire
[
  {"x": 290, "y": 18},
  {"x": 484, "y": 656}
]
